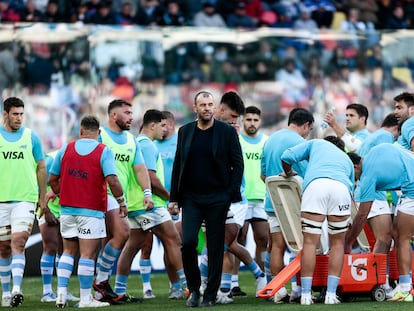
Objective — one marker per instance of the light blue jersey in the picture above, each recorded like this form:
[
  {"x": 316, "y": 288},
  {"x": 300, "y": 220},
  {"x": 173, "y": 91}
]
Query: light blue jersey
[
  {"x": 149, "y": 152},
  {"x": 378, "y": 137},
  {"x": 387, "y": 167},
  {"x": 167, "y": 148},
  {"x": 325, "y": 160},
  {"x": 361, "y": 134},
  {"x": 84, "y": 147},
  {"x": 15, "y": 136},
  {"x": 407, "y": 133},
  {"x": 121, "y": 139},
  {"x": 271, "y": 164}
]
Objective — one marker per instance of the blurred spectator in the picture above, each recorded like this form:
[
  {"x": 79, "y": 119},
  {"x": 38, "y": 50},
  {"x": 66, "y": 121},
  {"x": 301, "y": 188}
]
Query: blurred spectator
[
  {"x": 384, "y": 11},
  {"x": 149, "y": 13},
  {"x": 126, "y": 15},
  {"x": 289, "y": 8},
  {"x": 177, "y": 64},
  {"x": 321, "y": 12},
  {"x": 374, "y": 57},
  {"x": 103, "y": 15},
  {"x": 368, "y": 9},
  {"x": 208, "y": 17},
  {"x": 305, "y": 22},
  {"x": 40, "y": 68},
  {"x": 254, "y": 9},
  {"x": 264, "y": 55},
  {"x": 123, "y": 89},
  {"x": 151, "y": 68},
  {"x": 51, "y": 14},
  {"x": 260, "y": 72},
  {"x": 239, "y": 18},
  {"x": 7, "y": 13},
  {"x": 226, "y": 7},
  {"x": 227, "y": 73},
  {"x": 83, "y": 81},
  {"x": 397, "y": 19},
  {"x": 353, "y": 23},
  {"x": 30, "y": 13},
  {"x": 9, "y": 73},
  {"x": 78, "y": 13},
  {"x": 284, "y": 20},
  {"x": 339, "y": 60},
  {"x": 173, "y": 15},
  {"x": 293, "y": 81}
]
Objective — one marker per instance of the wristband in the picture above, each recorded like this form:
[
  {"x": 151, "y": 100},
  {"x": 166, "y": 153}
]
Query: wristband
[
  {"x": 147, "y": 193},
  {"x": 120, "y": 199}
]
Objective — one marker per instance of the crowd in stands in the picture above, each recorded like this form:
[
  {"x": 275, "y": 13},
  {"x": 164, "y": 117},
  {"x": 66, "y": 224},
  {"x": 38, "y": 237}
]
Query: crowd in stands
[{"x": 341, "y": 14}]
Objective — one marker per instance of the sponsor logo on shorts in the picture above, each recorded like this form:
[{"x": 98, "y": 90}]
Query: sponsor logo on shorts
[
  {"x": 144, "y": 222},
  {"x": 344, "y": 207},
  {"x": 84, "y": 231}
]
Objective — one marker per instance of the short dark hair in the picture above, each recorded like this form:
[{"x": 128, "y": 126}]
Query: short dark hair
[
  {"x": 117, "y": 103},
  {"x": 390, "y": 120},
  {"x": 90, "y": 123},
  {"x": 355, "y": 158},
  {"x": 337, "y": 141},
  {"x": 361, "y": 110},
  {"x": 204, "y": 94},
  {"x": 253, "y": 110},
  {"x": 300, "y": 116},
  {"x": 12, "y": 102},
  {"x": 168, "y": 115},
  {"x": 407, "y": 97},
  {"x": 152, "y": 115},
  {"x": 233, "y": 101}
]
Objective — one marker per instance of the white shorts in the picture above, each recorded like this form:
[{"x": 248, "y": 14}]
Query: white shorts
[
  {"x": 274, "y": 224},
  {"x": 326, "y": 196},
  {"x": 405, "y": 205},
  {"x": 256, "y": 210},
  {"x": 112, "y": 203},
  {"x": 149, "y": 219},
  {"x": 378, "y": 207},
  {"x": 16, "y": 217},
  {"x": 82, "y": 227},
  {"x": 237, "y": 213}
]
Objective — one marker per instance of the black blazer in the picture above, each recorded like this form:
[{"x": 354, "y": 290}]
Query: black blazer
[{"x": 227, "y": 156}]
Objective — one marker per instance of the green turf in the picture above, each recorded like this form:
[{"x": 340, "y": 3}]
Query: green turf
[{"x": 32, "y": 289}]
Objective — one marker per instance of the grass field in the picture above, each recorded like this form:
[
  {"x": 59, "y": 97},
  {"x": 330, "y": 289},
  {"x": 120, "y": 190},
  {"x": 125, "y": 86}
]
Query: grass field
[{"x": 32, "y": 289}]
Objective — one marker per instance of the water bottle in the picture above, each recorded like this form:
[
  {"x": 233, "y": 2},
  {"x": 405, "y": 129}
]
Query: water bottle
[
  {"x": 176, "y": 216},
  {"x": 325, "y": 125}
]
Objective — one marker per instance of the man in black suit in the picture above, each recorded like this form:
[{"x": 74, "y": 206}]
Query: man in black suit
[{"x": 206, "y": 179}]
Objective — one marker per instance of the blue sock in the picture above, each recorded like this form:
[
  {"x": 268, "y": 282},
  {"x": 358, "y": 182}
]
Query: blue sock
[
  {"x": 47, "y": 264},
  {"x": 181, "y": 276},
  {"x": 5, "y": 274},
  {"x": 120, "y": 284},
  {"x": 332, "y": 284},
  {"x": 145, "y": 270},
  {"x": 86, "y": 271},
  {"x": 255, "y": 269},
  {"x": 306, "y": 285},
  {"x": 106, "y": 261},
  {"x": 64, "y": 271},
  {"x": 225, "y": 284},
  {"x": 17, "y": 267}
]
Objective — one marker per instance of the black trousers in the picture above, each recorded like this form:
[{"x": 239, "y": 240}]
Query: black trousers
[{"x": 213, "y": 210}]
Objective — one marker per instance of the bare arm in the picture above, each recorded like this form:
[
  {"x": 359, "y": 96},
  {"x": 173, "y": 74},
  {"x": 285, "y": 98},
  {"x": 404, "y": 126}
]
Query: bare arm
[
  {"x": 157, "y": 186},
  {"x": 143, "y": 178},
  {"x": 330, "y": 118},
  {"x": 118, "y": 193},
  {"x": 357, "y": 225},
  {"x": 41, "y": 182}
]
